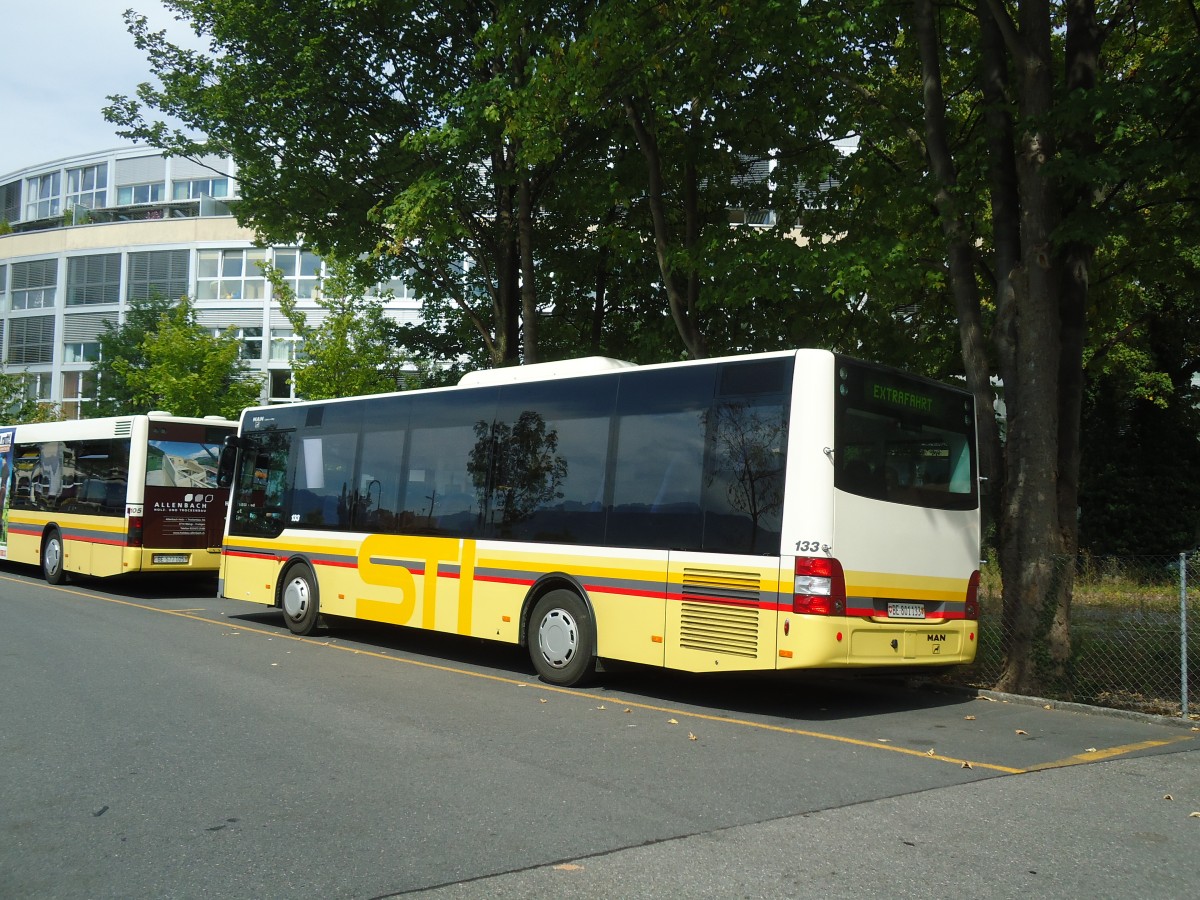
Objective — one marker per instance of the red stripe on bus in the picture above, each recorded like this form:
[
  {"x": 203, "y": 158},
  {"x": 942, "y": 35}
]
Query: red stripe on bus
[
  {"x": 118, "y": 542},
  {"x": 248, "y": 554}
]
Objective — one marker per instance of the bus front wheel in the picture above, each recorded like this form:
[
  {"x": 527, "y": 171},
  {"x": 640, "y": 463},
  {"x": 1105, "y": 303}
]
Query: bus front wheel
[
  {"x": 52, "y": 558},
  {"x": 299, "y": 600},
  {"x": 561, "y": 638}
]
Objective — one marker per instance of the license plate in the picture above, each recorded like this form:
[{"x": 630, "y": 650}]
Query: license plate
[{"x": 906, "y": 611}]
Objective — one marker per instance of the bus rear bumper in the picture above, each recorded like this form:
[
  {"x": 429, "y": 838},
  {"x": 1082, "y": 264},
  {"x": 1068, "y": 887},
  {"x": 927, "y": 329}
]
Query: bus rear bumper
[
  {"x": 148, "y": 559},
  {"x": 849, "y": 643}
]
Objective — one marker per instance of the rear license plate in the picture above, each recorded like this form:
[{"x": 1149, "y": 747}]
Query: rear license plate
[{"x": 906, "y": 611}]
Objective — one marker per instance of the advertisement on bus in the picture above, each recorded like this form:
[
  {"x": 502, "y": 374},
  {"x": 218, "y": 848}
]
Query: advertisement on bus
[
  {"x": 6, "y": 450},
  {"x": 183, "y": 507}
]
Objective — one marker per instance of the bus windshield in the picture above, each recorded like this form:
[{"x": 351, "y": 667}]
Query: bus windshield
[{"x": 904, "y": 439}]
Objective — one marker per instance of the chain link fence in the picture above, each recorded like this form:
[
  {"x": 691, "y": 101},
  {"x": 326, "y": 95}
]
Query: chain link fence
[{"x": 1135, "y": 635}]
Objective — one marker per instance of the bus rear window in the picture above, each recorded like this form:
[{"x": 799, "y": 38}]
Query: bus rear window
[{"x": 904, "y": 440}]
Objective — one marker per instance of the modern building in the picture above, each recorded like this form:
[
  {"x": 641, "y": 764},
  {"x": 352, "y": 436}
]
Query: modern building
[{"x": 83, "y": 236}]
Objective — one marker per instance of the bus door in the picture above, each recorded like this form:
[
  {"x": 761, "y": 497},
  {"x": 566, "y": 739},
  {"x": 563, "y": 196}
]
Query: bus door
[{"x": 259, "y": 496}]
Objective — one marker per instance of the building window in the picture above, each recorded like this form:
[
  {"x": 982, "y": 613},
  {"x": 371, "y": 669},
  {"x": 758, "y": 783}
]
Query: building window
[
  {"x": 130, "y": 194},
  {"x": 34, "y": 284},
  {"x": 199, "y": 187},
  {"x": 43, "y": 196},
  {"x": 284, "y": 344},
  {"x": 251, "y": 338},
  {"x": 81, "y": 351},
  {"x": 80, "y": 390},
  {"x": 31, "y": 341},
  {"x": 302, "y": 271},
  {"x": 281, "y": 386},
  {"x": 230, "y": 275},
  {"x": 157, "y": 273},
  {"x": 10, "y": 201},
  {"x": 400, "y": 288},
  {"x": 94, "y": 279},
  {"x": 86, "y": 186},
  {"x": 37, "y": 385}
]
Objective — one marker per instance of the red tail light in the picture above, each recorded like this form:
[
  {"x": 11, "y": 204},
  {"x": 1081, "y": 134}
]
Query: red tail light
[
  {"x": 820, "y": 588},
  {"x": 971, "y": 607},
  {"x": 133, "y": 537}
]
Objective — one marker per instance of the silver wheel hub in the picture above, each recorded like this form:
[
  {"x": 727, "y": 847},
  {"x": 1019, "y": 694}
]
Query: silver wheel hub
[
  {"x": 558, "y": 638},
  {"x": 52, "y": 556},
  {"x": 296, "y": 598}
]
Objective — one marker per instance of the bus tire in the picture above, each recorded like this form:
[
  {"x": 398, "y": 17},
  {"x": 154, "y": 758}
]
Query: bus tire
[
  {"x": 561, "y": 638},
  {"x": 53, "y": 557},
  {"x": 298, "y": 599}
]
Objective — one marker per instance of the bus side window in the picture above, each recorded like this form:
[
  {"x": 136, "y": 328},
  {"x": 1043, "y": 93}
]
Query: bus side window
[
  {"x": 324, "y": 494},
  {"x": 377, "y": 500}
]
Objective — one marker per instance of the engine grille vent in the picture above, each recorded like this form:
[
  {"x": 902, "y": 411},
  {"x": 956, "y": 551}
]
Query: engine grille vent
[{"x": 720, "y": 612}]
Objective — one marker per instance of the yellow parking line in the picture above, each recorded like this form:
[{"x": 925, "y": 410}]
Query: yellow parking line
[{"x": 1089, "y": 756}]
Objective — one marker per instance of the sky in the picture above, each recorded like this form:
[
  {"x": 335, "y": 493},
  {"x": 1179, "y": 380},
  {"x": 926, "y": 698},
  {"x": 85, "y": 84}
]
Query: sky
[{"x": 62, "y": 58}]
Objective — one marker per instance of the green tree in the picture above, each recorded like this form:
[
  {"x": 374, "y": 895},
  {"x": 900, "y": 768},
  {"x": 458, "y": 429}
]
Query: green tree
[
  {"x": 184, "y": 369},
  {"x": 1025, "y": 159},
  {"x": 708, "y": 112},
  {"x": 381, "y": 135},
  {"x": 530, "y": 167},
  {"x": 124, "y": 341},
  {"x": 353, "y": 350}
]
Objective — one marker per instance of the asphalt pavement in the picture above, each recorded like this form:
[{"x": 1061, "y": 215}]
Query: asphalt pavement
[{"x": 159, "y": 742}]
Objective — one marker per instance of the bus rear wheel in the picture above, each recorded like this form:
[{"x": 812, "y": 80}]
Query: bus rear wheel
[
  {"x": 561, "y": 638},
  {"x": 53, "y": 558},
  {"x": 299, "y": 599}
]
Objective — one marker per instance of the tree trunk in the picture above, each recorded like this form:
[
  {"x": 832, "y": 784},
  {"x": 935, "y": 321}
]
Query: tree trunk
[
  {"x": 959, "y": 244},
  {"x": 506, "y": 300},
  {"x": 529, "y": 313},
  {"x": 1036, "y": 600},
  {"x": 681, "y": 304},
  {"x": 1006, "y": 246}
]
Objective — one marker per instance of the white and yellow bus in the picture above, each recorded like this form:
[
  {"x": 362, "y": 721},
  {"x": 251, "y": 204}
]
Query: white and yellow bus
[
  {"x": 113, "y": 496},
  {"x": 772, "y": 511}
]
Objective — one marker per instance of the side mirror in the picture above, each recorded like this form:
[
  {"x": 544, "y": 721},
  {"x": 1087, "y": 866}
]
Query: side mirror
[{"x": 226, "y": 464}]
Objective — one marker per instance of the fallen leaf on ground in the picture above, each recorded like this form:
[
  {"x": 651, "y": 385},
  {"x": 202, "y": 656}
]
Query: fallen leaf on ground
[
  {"x": 672, "y": 721},
  {"x": 1020, "y": 731},
  {"x": 930, "y": 752},
  {"x": 541, "y": 699},
  {"x": 1168, "y": 797},
  {"x": 969, "y": 718},
  {"x": 966, "y": 765},
  {"x": 691, "y": 737}
]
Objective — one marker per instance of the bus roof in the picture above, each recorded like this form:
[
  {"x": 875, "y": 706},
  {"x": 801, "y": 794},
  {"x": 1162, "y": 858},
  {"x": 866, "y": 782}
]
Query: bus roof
[{"x": 563, "y": 368}]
